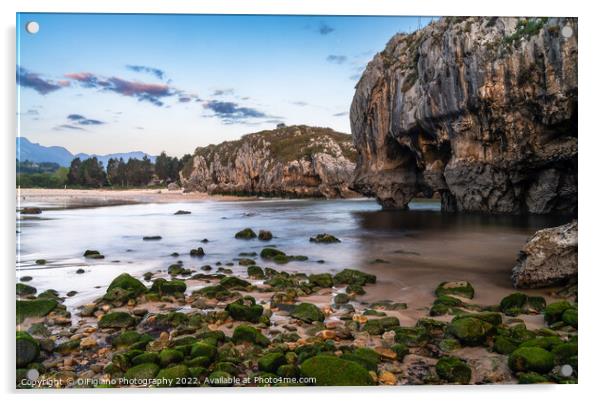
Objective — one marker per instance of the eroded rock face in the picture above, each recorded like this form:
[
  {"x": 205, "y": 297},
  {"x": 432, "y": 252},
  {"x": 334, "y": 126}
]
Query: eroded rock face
[
  {"x": 549, "y": 258},
  {"x": 295, "y": 161},
  {"x": 481, "y": 110}
]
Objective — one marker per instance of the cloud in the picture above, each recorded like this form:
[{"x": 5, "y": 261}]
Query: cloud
[
  {"x": 300, "y": 103},
  {"x": 42, "y": 86},
  {"x": 231, "y": 112},
  {"x": 336, "y": 58},
  {"x": 325, "y": 29},
  {"x": 79, "y": 119},
  {"x": 184, "y": 99},
  {"x": 160, "y": 74},
  {"x": 68, "y": 127},
  {"x": 340, "y": 114},
  {"x": 152, "y": 93},
  {"x": 223, "y": 92}
]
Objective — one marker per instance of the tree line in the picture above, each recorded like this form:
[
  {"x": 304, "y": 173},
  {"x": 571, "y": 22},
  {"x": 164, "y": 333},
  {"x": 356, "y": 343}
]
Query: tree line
[{"x": 119, "y": 173}]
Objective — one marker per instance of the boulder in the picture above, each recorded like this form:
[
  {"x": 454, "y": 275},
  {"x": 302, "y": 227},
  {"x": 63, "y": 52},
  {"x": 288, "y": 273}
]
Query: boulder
[
  {"x": 548, "y": 258},
  {"x": 334, "y": 371}
]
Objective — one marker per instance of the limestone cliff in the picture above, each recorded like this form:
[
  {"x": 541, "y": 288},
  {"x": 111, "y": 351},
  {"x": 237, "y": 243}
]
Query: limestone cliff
[
  {"x": 295, "y": 161},
  {"x": 481, "y": 110}
]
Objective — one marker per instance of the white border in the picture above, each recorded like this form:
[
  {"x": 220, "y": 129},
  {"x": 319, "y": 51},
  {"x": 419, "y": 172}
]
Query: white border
[{"x": 590, "y": 149}]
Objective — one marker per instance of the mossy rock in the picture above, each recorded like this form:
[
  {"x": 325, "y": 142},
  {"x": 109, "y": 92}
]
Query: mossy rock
[
  {"x": 246, "y": 234},
  {"x": 25, "y": 290},
  {"x": 532, "y": 378},
  {"x": 255, "y": 272},
  {"x": 49, "y": 294},
  {"x": 233, "y": 282},
  {"x": 247, "y": 333},
  {"x": 354, "y": 289},
  {"x": 245, "y": 262},
  {"x": 165, "y": 287},
  {"x": 544, "y": 342},
  {"x": 330, "y": 370},
  {"x": 271, "y": 361},
  {"x": 127, "y": 338},
  {"x": 379, "y": 326},
  {"x": 490, "y": 317},
  {"x": 116, "y": 319},
  {"x": 203, "y": 349},
  {"x": 197, "y": 252},
  {"x": 28, "y": 349},
  {"x": 214, "y": 292},
  {"x": 265, "y": 235},
  {"x": 34, "y": 308},
  {"x": 564, "y": 352},
  {"x": 174, "y": 376},
  {"x": 536, "y": 303},
  {"x": 449, "y": 345},
  {"x": 288, "y": 371},
  {"x": 470, "y": 331},
  {"x": 504, "y": 345},
  {"x": 409, "y": 336},
  {"x": 324, "y": 238},
  {"x": 453, "y": 370},
  {"x": 94, "y": 254},
  {"x": 146, "y": 357},
  {"x": 321, "y": 280},
  {"x": 342, "y": 298},
  {"x": 270, "y": 252},
  {"x": 368, "y": 358},
  {"x": 354, "y": 277},
  {"x": 534, "y": 359},
  {"x": 570, "y": 317},
  {"x": 307, "y": 312},
  {"x": 553, "y": 312},
  {"x": 458, "y": 288},
  {"x": 127, "y": 282},
  {"x": 513, "y": 304},
  {"x": 146, "y": 371},
  {"x": 220, "y": 379},
  {"x": 401, "y": 351},
  {"x": 67, "y": 347},
  {"x": 245, "y": 309},
  {"x": 170, "y": 356},
  {"x": 228, "y": 367}
]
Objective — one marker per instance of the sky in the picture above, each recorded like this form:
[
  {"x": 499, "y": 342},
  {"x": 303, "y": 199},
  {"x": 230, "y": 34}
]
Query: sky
[{"x": 110, "y": 83}]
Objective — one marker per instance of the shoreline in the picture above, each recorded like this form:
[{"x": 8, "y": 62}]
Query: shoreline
[{"x": 88, "y": 198}]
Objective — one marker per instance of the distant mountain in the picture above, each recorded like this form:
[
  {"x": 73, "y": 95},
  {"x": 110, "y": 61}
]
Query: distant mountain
[{"x": 29, "y": 151}]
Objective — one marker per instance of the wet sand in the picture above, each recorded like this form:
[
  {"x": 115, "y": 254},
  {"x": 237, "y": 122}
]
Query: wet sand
[{"x": 69, "y": 198}]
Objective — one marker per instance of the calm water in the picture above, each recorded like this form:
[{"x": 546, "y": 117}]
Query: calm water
[{"x": 421, "y": 247}]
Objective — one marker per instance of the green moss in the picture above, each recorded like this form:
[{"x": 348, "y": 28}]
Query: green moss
[
  {"x": 246, "y": 234},
  {"x": 307, "y": 312},
  {"x": 364, "y": 356},
  {"x": 532, "y": 378},
  {"x": 271, "y": 361},
  {"x": 127, "y": 282},
  {"x": 174, "y": 376},
  {"x": 288, "y": 371},
  {"x": 330, "y": 370},
  {"x": 265, "y": 235},
  {"x": 67, "y": 347},
  {"x": 401, "y": 350},
  {"x": 245, "y": 309},
  {"x": 354, "y": 277},
  {"x": 25, "y": 290},
  {"x": 513, "y": 303},
  {"x": 247, "y": 333},
  {"x": 409, "y": 336},
  {"x": 270, "y": 252},
  {"x": 28, "y": 349},
  {"x": 165, "y": 287},
  {"x": 255, "y": 272},
  {"x": 545, "y": 342},
  {"x": 470, "y": 331},
  {"x": 453, "y": 370},
  {"x": 379, "y": 326},
  {"x": 553, "y": 312},
  {"x": 232, "y": 282},
  {"x": 535, "y": 359},
  {"x": 459, "y": 288},
  {"x": 116, "y": 319},
  {"x": 504, "y": 345},
  {"x": 537, "y": 303},
  {"x": 220, "y": 379},
  {"x": 146, "y": 357},
  {"x": 324, "y": 238},
  {"x": 570, "y": 316},
  {"x": 203, "y": 349},
  {"x": 170, "y": 356},
  {"x": 342, "y": 298},
  {"x": 321, "y": 280},
  {"x": 564, "y": 352},
  {"x": 245, "y": 262},
  {"x": 34, "y": 308},
  {"x": 449, "y": 345},
  {"x": 144, "y": 371}
]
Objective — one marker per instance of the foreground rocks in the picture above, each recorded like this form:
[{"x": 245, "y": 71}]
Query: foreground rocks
[
  {"x": 481, "y": 110},
  {"x": 295, "y": 161},
  {"x": 549, "y": 258}
]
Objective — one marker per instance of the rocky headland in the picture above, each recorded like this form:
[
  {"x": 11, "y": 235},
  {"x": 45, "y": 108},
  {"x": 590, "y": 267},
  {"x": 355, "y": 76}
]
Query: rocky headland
[
  {"x": 293, "y": 161},
  {"x": 482, "y": 111}
]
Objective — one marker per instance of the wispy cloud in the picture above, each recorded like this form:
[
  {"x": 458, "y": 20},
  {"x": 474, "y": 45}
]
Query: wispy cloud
[
  {"x": 223, "y": 92},
  {"x": 149, "y": 92},
  {"x": 336, "y": 58},
  {"x": 300, "y": 103},
  {"x": 325, "y": 29},
  {"x": 43, "y": 86},
  {"x": 340, "y": 114},
  {"x": 79, "y": 119},
  {"x": 160, "y": 74},
  {"x": 232, "y": 112},
  {"x": 68, "y": 127}
]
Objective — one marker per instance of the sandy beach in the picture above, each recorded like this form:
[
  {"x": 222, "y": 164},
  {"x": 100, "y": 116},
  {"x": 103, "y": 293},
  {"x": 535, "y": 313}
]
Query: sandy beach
[{"x": 70, "y": 198}]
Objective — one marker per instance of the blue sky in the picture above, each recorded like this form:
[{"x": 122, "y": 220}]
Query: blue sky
[{"x": 115, "y": 83}]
